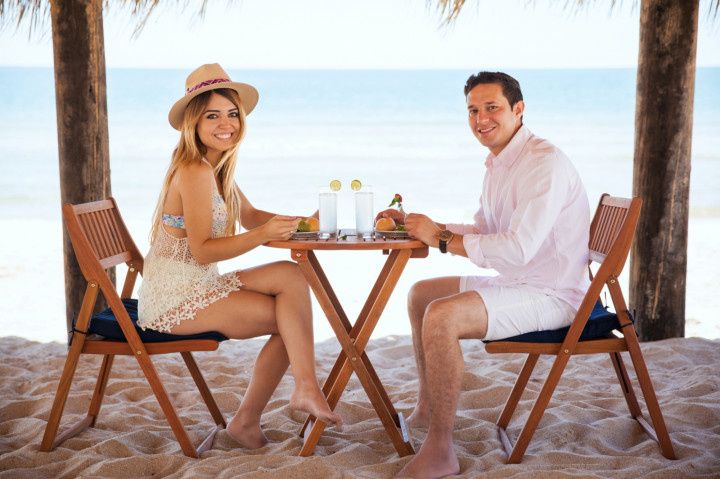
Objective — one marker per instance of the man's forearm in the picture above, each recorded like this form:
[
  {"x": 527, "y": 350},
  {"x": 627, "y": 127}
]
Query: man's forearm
[{"x": 456, "y": 246}]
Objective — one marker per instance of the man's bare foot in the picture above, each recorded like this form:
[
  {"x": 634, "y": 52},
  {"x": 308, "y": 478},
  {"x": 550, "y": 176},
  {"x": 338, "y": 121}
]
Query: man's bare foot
[
  {"x": 313, "y": 402},
  {"x": 419, "y": 418},
  {"x": 431, "y": 463},
  {"x": 249, "y": 436}
]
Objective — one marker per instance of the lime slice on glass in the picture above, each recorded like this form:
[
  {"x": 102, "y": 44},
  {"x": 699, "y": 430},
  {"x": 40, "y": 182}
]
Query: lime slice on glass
[
  {"x": 355, "y": 185},
  {"x": 335, "y": 185}
]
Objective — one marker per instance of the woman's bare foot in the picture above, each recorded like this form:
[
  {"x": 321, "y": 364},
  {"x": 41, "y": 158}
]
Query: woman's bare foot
[
  {"x": 313, "y": 402},
  {"x": 419, "y": 418},
  {"x": 248, "y": 435}
]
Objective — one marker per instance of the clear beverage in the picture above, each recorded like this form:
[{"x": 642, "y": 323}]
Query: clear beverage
[
  {"x": 328, "y": 211},
  {"x": 364, "y": 217}
]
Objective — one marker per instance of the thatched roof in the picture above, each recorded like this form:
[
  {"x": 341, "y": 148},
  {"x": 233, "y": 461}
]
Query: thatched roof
[
  {"x": 450, "y": 9},
  {"x": 35, "y": 13}
]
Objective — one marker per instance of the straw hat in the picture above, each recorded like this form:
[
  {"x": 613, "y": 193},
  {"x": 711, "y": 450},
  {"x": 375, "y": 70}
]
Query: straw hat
[{"x": 211, "y": 77}]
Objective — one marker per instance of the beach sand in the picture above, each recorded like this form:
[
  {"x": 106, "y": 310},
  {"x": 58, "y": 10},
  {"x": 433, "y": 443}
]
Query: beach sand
[{"x": 586, "y": 431}]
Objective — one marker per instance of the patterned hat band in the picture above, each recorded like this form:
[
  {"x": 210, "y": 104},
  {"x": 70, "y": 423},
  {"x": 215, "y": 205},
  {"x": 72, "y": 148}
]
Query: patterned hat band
[{"x": 206, "y": 83}]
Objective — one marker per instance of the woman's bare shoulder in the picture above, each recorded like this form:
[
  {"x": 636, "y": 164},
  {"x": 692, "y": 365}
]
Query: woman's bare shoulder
[{"x": 194, "y": 176}]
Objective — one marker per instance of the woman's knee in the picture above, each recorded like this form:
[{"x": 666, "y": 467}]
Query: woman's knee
[{"x": 290, "y": 275}]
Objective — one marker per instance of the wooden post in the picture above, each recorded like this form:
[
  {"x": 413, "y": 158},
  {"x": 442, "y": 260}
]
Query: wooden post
[
  {"x": 81, "y": 105},
  {"x": 661, "y": 176}
]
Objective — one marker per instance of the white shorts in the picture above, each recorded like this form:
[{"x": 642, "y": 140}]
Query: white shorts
[{"x": 514, "y": 310}]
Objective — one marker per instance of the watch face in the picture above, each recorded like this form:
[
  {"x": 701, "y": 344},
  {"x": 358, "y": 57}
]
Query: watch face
[{"x": 445, "y": 235}]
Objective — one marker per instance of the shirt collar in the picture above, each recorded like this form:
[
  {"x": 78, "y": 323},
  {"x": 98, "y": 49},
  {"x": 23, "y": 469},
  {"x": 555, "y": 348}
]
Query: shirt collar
[{"x": 512, "y": 150}]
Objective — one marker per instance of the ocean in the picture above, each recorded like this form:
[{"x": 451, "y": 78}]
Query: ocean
[{"x": 399, "y": 131}]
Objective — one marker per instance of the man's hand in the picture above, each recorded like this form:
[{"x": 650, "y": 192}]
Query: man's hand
[
  {"x": 423, "y": 228},
  {"x": 397, "y": 216}
]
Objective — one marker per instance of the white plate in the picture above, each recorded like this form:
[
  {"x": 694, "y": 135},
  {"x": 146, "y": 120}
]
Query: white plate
[
  {"x": 305, "y": 235},
  {"x": 392, "y": 234}
]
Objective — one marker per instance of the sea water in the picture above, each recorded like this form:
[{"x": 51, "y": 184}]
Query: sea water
[{"x": 401, "y": 131}]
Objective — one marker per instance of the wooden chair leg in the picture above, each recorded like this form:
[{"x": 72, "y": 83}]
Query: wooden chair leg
[
  {"x": 209, "y": 402},
  {"x": 517, "y": 390},
  {"x": 76, "y": 345},
  {"x": 660, "y": 433},
  {"x": 170, "y": 414},
  {"x": 100, "y": 385},
  {"x": 48, "y": 442},
  {"x": 538, "y": 409},
  {"x": 625, "y": 384},
  {"x": 95, "y": 402},
  {"x": 204, "y": 389}
]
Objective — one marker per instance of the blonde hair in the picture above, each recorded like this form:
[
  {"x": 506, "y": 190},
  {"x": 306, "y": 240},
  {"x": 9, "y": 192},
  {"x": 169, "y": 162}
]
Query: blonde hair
[{"x": 190, "y": 150}]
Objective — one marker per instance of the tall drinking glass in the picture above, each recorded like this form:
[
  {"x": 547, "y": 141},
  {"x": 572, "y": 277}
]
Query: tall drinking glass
[
  {"x": 364, "y": 218},
  {"x": 328, "y": 212}
]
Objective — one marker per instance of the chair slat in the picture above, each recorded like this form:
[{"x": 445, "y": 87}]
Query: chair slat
[
  {"x": 111, "y": 261},
  {"x": 103, "y": 245},
  {"x": 93, "y": 206},
  {"x": 592, "y": 346},
  {"x": 112, "y": 235},
  {"x": 105, "y": 236},
  {"x": 90, "y": 231},
  {"x": 122, "y": 348},
  {"x": 610, "y": 220}
]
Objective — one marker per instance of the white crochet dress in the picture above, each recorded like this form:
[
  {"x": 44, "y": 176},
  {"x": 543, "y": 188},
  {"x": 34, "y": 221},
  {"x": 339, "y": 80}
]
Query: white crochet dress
[{"x": 174, "y": 285}]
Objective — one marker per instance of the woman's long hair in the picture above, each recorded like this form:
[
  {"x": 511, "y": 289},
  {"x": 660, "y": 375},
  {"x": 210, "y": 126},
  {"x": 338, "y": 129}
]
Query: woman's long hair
[{"x": 190, "y": 150}]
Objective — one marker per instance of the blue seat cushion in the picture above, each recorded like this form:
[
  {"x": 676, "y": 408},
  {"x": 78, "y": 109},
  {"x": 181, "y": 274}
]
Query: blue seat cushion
[
  {"x": 105, "y": 324},
  {"x": 599, "y": 325}
]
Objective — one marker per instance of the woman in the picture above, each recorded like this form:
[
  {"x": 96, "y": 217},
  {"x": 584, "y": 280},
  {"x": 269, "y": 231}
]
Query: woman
[{"x": 194, "y": 227}]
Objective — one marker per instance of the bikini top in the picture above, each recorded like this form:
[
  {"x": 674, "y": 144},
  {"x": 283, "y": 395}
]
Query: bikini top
[{"x": 178, "y": 221}]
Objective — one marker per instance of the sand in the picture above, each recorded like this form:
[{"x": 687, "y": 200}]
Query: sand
[{"x": 586, "y": 431}]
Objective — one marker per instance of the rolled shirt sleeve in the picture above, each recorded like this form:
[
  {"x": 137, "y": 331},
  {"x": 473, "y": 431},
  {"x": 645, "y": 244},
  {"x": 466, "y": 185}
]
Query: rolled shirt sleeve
[{"x": 540, "y": 196}]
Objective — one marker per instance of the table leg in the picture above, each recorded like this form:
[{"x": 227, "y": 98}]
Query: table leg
[
  {"x": 353, "y": 341},
  {"x": 334, "y": 395}
]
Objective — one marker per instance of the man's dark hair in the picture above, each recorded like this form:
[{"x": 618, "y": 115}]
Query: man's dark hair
[{"x": 510, "y": 86}]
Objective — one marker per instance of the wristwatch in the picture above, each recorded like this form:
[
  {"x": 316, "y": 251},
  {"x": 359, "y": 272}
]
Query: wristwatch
[{"x": 445, "y": 236}]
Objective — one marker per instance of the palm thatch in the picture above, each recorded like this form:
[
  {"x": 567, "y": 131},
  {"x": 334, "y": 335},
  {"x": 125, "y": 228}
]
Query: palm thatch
[
  {"x": 36, "y": 13},
  {"x": 450, "y": 9}
]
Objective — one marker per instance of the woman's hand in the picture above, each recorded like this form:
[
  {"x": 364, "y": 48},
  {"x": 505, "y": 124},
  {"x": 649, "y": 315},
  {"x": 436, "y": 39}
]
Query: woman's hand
[
  {"x": 279, "y": 228},
  {"x": 396, "y": 215}
]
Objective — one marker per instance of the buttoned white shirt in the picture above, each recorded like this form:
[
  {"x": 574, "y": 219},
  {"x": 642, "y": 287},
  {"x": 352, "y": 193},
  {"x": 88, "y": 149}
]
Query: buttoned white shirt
[{"x": 533, "y": 223}]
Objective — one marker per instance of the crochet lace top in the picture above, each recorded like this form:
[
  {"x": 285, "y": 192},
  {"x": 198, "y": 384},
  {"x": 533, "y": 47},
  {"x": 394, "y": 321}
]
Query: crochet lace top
[{"x": 175, "y": 286}]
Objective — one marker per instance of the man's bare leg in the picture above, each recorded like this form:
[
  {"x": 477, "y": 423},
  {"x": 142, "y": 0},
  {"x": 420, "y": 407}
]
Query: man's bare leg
[
  {"x": 421, "y": 295},
  {"x": 446, "y": 321}
]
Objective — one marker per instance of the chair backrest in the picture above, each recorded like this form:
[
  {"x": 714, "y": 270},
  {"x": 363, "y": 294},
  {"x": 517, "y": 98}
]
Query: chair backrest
[
  {"x": 612, "y": 230},
  {"x": 101, "y": 240},
  {"x": 611, "y": 233}
]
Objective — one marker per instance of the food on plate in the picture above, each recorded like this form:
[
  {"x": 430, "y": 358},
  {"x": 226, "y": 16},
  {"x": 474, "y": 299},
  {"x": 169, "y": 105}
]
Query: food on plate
[
  {"x": 308, "y": 225},
  {"x": 385, "y": 224}
]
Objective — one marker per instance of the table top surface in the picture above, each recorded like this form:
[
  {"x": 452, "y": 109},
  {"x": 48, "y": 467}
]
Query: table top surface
[{"x": 348, "y": 240}]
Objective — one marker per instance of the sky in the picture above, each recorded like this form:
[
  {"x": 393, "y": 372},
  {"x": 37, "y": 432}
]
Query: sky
[{"x": 383, "y": 34}]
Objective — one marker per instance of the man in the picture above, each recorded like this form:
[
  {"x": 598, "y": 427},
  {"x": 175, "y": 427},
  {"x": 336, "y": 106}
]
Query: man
[{"x": 532, "y": 227}]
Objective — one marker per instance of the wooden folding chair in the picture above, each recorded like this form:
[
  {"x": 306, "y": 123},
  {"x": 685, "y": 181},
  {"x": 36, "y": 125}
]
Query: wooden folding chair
[
  {"x": 101, "y": 240},
  {"x": 611, "y": 234}
]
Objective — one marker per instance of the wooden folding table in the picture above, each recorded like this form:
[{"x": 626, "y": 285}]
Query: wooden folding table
[{"x": 354, "y": 337}]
